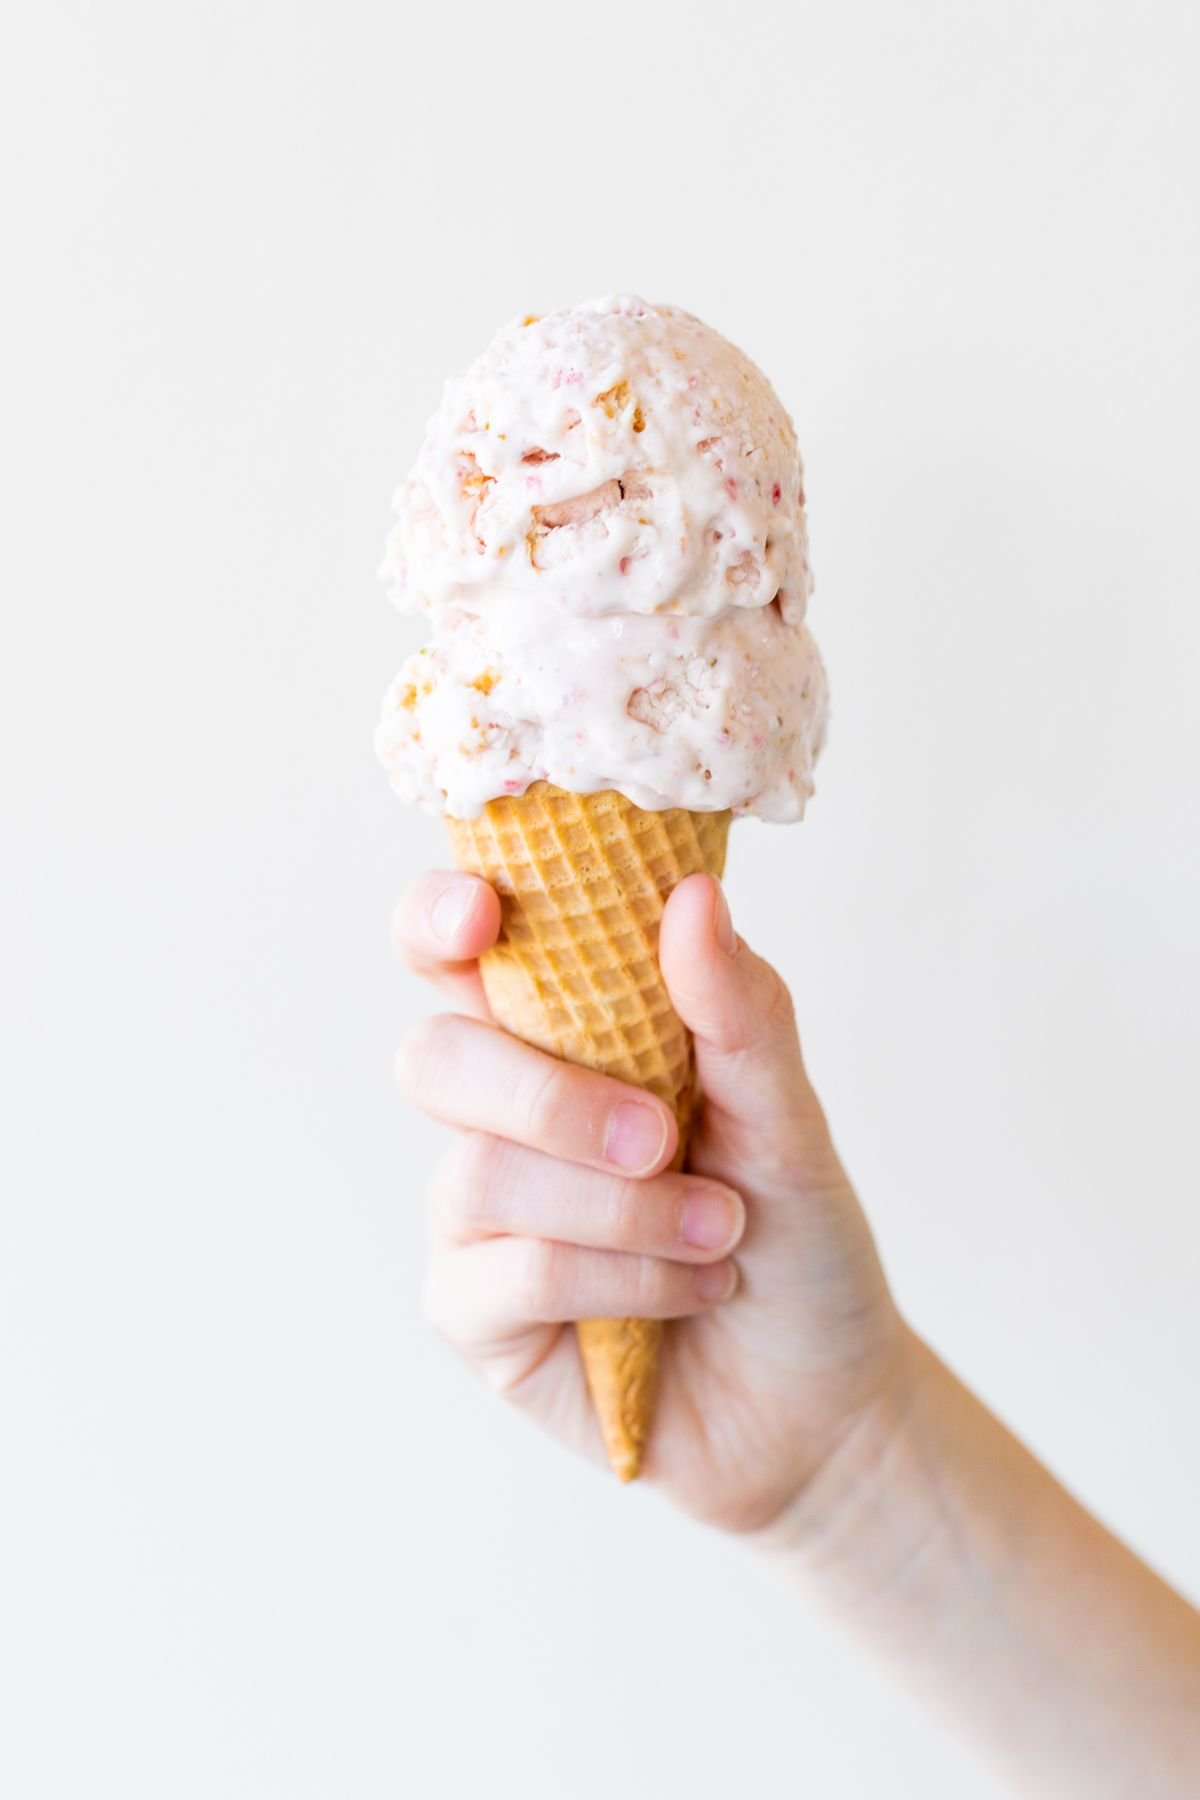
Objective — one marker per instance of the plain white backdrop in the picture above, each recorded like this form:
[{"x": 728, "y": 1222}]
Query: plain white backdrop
[{"x": 260, "y": 1537}]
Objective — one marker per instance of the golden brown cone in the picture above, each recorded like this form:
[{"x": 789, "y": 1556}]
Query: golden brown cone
[{"x": 583, "y": 879}]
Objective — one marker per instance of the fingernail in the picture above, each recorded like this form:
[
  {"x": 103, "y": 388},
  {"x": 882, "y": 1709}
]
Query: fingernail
[
  {"x": 716, "y": 1281},
  {"x": 723, "y": 923},
  {"x": 449, "y": 911},
  {"x": 636, "y": 1136},
  {"x": 709, "y": 1219}
]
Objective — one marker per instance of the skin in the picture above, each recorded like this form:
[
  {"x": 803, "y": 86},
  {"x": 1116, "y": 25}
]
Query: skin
[{"x": 796, "y": 1405}]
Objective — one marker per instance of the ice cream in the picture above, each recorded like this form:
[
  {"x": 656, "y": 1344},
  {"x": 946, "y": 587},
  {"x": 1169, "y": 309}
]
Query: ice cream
[{"x": 606, "y": 526}]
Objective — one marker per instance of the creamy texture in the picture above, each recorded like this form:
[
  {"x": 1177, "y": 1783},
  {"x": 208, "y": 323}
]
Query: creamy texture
[
  {"x": 606, "y": 525},
  {"x": 700, "y": 713}
]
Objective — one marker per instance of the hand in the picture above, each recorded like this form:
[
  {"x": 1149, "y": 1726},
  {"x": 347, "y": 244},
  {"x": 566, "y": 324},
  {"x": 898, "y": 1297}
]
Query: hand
[
  {"x": 553, "y": 1205},
  {"x": 798, "y": 1399}
]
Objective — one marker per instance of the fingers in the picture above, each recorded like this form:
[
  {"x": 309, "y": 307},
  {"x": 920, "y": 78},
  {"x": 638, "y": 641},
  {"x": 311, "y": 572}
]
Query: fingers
[
  {"x": 487, "y": 1187},
  {"x": 443, "y": 922},
  {"x": 469, "y": 1074},
  {"x": 522, "y": 1245},
  {"x": 734, "y": 1002},
  {"x": 747, "y": 1049},
  {"x": 488, "y": 1294}
]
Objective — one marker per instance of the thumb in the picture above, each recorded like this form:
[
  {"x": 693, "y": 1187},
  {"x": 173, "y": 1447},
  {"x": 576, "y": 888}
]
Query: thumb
[{"x": 759, "y": 1108}]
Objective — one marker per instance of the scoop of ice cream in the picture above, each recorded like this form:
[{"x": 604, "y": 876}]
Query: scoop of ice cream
[
  {"x": 700, "y": 713},
  {"x": 613, "y": 458},
  {"x": 606, "y": 526}
]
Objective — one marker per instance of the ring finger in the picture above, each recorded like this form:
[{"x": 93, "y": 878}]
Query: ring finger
[{"x": 489, "y": 1187}]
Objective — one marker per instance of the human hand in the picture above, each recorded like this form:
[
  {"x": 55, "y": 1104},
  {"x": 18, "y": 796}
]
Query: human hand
[{"x": 556, "y": 1204}]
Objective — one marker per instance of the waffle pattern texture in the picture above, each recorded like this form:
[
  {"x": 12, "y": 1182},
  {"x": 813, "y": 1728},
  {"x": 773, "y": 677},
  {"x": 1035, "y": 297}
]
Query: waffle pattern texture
[{"x": 583, "y": 879}]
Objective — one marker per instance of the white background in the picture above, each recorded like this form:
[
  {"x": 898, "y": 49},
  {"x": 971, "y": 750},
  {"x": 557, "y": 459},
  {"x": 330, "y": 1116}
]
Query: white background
[{"x": 261, "y": 1536}]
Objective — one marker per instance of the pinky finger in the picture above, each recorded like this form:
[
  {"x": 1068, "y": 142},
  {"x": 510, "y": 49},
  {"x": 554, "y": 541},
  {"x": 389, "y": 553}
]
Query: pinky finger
[{"x": 483, "y": 1295}]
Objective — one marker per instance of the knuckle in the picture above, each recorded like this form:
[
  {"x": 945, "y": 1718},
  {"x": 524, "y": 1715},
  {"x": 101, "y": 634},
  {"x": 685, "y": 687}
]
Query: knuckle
[
  {"x": 407, "y": 916},
  {"x": 632, "y": 1216},
  {"x": 541, "y": 1095},
  {"x": 779, "y": 1008},
  {"x": 467, "y": 1181},
  {"x": 423, "y": 1055},
  {"x": 655, "y": 1283},
  {"x": 475, "y": 1157},
  {"x": 543, "y": 1278}
]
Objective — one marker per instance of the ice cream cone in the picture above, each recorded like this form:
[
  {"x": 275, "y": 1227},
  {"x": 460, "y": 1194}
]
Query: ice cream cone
[
  {"x": 605, "y": 525},
  {"x": 583, "y": 879}
]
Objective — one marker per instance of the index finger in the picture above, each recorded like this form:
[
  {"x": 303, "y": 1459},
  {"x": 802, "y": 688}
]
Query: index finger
[
  {"x": 478, "y": 1078},
  {"x": 443, "y": 922}
]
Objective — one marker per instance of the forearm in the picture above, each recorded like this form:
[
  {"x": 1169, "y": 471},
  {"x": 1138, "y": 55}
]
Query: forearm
[{"x": 943, "y": 1546}]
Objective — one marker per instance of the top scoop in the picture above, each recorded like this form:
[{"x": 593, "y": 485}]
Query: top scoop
[{"x": 606, "y": 524}]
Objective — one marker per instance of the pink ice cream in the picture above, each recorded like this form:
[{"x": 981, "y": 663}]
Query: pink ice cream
[{"x": 606, "y": 526}]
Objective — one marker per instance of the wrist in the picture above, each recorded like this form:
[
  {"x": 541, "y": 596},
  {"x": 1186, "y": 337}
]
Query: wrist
[{"x": 870, "y": 1508}]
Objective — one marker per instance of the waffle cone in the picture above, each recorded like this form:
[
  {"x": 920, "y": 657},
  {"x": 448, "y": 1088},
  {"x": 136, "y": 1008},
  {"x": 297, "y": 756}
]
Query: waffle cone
[{"x": 583, "y": 879}]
